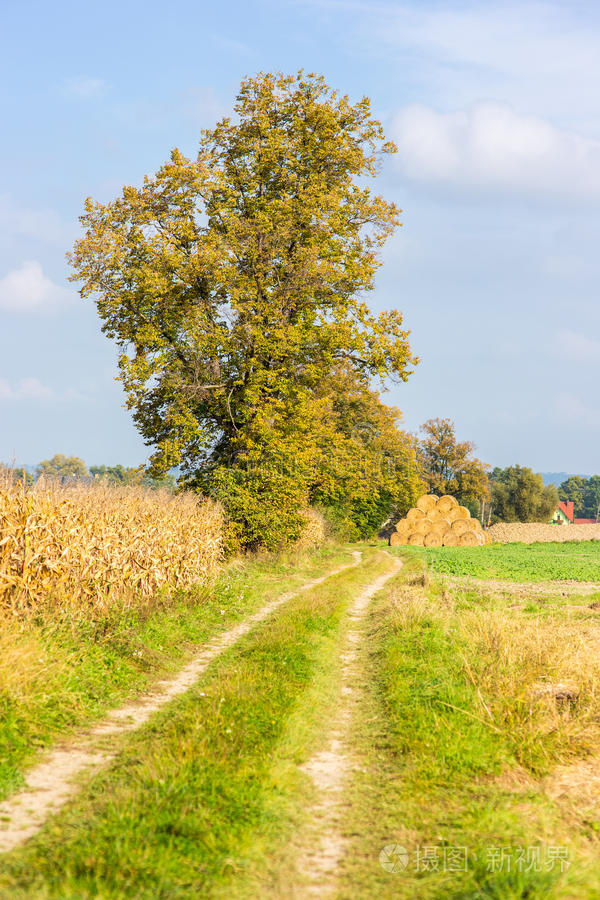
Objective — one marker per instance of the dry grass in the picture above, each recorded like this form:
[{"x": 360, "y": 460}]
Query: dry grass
[
  {"x": 506, "y": 654},
  {"x": 314, "y": 530},
  {"x": 83, "y": 546}
]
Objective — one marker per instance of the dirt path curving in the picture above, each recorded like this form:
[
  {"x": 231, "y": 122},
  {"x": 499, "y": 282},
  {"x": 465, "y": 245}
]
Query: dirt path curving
[
  {"x": 52, "y": 783},
  {"x": 324, "y": 844}
]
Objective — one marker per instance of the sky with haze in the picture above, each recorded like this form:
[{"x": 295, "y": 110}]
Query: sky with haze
[{"x": 495, "y": 111}]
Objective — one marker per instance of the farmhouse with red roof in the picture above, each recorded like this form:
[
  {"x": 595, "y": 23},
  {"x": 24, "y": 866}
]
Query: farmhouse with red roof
[{"x": 565, "y": 515}]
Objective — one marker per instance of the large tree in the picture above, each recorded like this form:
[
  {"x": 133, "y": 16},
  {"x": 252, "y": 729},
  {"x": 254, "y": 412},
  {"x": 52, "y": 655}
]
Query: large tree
[
  {"x": 369, "y": 469},
  {"x": 234, "y": 284},
  {"x": 448, "y": 464},
  {"x": 520, "y": 495}
]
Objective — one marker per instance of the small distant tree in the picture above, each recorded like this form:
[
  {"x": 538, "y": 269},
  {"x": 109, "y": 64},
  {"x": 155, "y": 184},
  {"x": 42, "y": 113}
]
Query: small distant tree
[
  {"x": 573, "y": 489},
  {"x": 448, "y": 465},
  {"x": 61, "y": 466},
  {"x": 520, "y": 495},
  {"x": 116, "y": 474},
  {"x": 17, "y": 473},
  {"x": 592, "y": 498},
  {"x": 130, "y": 475}
]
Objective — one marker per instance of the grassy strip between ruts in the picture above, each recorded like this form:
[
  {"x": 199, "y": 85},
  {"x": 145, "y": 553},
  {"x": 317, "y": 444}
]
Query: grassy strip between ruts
[
  {"x": 57, "y": 674},
  {"x": 197, "y": 800},
  {"x": 576, "y": 560},
  {"x": 458, "y": 770}
]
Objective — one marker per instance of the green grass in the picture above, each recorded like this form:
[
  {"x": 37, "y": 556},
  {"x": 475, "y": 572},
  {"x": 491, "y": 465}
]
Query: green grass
[
  {"x": 450, "y": 749},
  {"x": 199, "y": 801},
  {"x": 59, "y": 674},
  {"x": 577, "y": 561}
]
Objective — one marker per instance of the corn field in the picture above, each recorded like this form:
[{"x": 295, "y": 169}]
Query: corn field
[{"x": 86, "y": 545}]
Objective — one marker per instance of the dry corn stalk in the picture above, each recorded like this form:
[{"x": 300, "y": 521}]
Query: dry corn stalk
[{"x": 85, "y": 544}]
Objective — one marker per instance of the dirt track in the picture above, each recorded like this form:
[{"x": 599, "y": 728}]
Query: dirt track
[{"x": 53, "y": 782}]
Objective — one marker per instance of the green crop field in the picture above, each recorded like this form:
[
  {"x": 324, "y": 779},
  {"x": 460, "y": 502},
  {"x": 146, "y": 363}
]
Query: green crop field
[{"x": 576, "y": 561}]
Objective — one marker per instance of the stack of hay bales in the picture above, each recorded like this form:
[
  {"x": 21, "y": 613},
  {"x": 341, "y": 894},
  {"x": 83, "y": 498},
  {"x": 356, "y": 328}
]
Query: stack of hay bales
[{"x": 439, "y": 522}]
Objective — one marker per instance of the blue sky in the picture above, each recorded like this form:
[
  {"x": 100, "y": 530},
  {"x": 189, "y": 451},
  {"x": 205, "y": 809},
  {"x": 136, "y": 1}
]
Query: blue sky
[{"x": 496, "y": 114}]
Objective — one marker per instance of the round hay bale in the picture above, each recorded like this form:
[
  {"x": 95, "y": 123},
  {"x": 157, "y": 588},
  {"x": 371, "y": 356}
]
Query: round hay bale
[
  {"x": 487, "y": 538},
  {"x": 417, "y": 540},
  {"x": 437, "y": 516},
  {"x": 438, "y": 520},
  {"x": 422, "y": 526},
  {"x": 477, "y": 524},
  {"x": 403, "y": 526},
  {"x": 427, "y": 502},
  {"x": 461, "y": 526},
  {"x": 433, "y": 539},
  {"x": 450, "y": 539},
  {"x": 446, "y": 503},
  {"x": 414, "y": 514},
  {"x": 397, "y": 540},
  {"x": 468, "y": 539},
  {"x": 464, "y": 512}
]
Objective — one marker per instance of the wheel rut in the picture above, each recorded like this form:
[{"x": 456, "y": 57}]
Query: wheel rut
[
  {"x": 54, "y": 781},
  {"x": 323, "y": 845}
]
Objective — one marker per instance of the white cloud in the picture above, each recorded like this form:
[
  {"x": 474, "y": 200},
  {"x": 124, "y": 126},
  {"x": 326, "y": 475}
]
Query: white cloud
[
  {"x": 32, "y": 389},
  {"x": 570, "y": 409},
  {"x": 491, "y": 147},
  {"x": 40, "y": 224},
  {"x": 25, "y": 389},
  {"x": 84, "y": 87},
  {"x": 28, "y": 290},
  {"x": 577, "y": 347},
  {"x": 513, "y": 38},
  {"x": 537, "y": 55}
]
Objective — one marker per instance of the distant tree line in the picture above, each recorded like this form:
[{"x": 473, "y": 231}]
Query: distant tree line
[
  {"x": 513, "y": 494},
  {"x": 444, "y": 465},
  {"x": 73, "y": 467}
]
